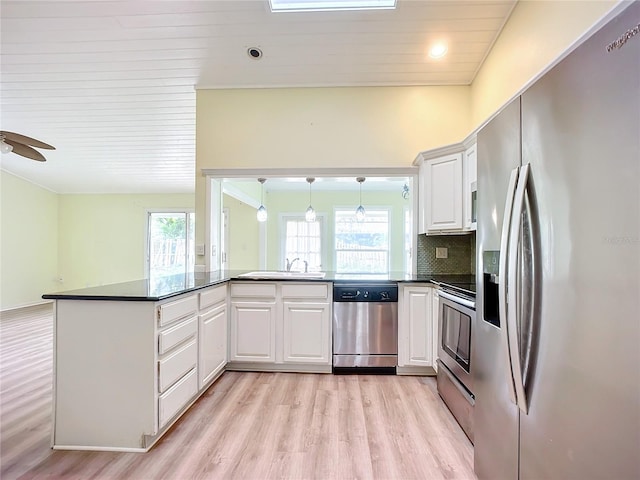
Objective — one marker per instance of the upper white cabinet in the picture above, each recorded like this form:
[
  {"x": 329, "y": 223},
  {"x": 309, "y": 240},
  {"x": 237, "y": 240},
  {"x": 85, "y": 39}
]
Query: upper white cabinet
[
  {"x": 470, "y": 187},
  {"x": 446, "y": 191},
  {"x": 441, "y": 206}
]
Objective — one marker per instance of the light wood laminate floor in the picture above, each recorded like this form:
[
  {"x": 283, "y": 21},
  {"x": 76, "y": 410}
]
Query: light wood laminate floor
[{"x": 246, "y": 426}]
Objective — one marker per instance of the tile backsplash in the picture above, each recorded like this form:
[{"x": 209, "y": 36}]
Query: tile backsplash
[{"x": 461, "y": 254}]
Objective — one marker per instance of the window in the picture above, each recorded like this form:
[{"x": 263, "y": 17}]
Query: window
[
  {"x": 362, "y": 247},
  {"x": 170, "y": 243},
  {"x": 303, "y": 240}
]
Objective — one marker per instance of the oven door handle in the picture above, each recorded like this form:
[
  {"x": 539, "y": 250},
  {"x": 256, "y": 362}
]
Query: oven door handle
[{"x": 456, "y": 299}]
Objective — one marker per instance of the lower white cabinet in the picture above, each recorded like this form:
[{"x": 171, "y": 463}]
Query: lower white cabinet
[
  {"x": 280, "y": 326},
  {"x": 435, "y": 316},
  {"x": 125, "y": 370},
  {"x": 417, "y": 326},
  {"x": 253, "y": 331},
  {"x": 212, "y": 356},
  {"x": 306, "y": 330}
]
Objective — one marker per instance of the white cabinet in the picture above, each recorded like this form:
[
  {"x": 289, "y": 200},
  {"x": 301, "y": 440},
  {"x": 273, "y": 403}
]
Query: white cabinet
[
  {"x": 125, "y": 371},
  {"x": 306, "y": 329},
  {"x": 213, "y": 344},
  {"x": 470, "y": 186},
  {"x": 212, "y": 352},
  {"x": 280, "y": 326},
  {"x": 177, "y": 356},
  {"x": 253, "y": 322},
  {"x": 253, "y": 331},
  {"x": 435, "y": 329},
  {"x": 441, "y": 198},
  {"x": 415, "y": 325}
]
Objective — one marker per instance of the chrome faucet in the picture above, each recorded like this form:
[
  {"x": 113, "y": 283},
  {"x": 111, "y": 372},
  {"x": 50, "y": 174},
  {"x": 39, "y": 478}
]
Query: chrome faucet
[
  {"x": 306, "y": 266},
  {"x": 290, "y": 263}
]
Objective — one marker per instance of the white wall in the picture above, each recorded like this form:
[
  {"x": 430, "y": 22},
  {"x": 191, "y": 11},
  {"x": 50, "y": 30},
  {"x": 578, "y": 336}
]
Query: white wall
[
  {"x": 322, "y": 127},
  {"x": 102, "y": 237},
  {"x": 537, "y": 33},
  {"x": 28, "y": 242},
  {"x": 85, "y": 240}
]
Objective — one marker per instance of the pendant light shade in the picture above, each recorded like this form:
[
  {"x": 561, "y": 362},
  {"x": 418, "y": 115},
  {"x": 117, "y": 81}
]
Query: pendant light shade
[
  {"x": 360, "y": 212},
  {"x": 310, "y": 214},
  {"x": 261, "y": 215}
]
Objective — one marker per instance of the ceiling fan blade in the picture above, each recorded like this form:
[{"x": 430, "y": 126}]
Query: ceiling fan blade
[
  {"x": 16, "y": 137},
  {"x": 25, "y": 151}
]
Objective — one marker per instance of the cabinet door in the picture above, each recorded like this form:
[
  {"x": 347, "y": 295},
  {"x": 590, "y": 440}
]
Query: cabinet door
[
  {"x": 307, "y": 336},
  {"x": 470, "y": 178},
  {"x": 443, "y": 193},
  {"x": 212, "y": 356},
  {"x": 253, "y": 332},
  {"x": 435, "y": 322},
  {"x": 416, "y": 326}
]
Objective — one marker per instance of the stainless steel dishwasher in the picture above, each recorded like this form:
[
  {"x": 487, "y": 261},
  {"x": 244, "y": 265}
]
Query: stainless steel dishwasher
[{"x": 365, "y": 327}]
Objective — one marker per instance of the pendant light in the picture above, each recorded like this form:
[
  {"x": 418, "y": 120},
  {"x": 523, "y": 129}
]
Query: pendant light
[
  {"x": 310, "y": 214},
  {"x": 262, "y": 212},
  {"x": 360, "y": 213}
]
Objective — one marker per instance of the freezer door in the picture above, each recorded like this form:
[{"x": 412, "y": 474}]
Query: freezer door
[
  {"x": 581, "y": 137},
  {"x": 495, "y": 415}
]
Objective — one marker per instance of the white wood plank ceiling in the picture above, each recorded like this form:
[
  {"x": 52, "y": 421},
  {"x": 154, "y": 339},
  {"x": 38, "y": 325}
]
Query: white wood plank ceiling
[{"x": 112, "y": 84}]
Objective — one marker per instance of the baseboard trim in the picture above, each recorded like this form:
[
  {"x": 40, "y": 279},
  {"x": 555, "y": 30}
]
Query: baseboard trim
[
  {"x": 23, "y": 309},
  {"x": 412, "y": 370}
]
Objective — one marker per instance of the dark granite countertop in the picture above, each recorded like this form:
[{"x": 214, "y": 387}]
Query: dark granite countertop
[{"x": 156, "y": 289}]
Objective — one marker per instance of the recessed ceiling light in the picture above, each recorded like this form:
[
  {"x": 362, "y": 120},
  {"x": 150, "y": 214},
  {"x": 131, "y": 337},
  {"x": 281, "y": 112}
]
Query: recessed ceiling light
[
  {"x": 254, "y": 53},
  {"x": 438, "y": 50},
  {"x": 327, "y": 5}
]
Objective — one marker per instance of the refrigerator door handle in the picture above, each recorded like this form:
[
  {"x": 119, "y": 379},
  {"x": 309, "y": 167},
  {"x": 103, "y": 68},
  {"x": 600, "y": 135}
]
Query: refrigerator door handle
[
  {"x": 503, "y": 275},
  {"x": 512, "y": 288}
]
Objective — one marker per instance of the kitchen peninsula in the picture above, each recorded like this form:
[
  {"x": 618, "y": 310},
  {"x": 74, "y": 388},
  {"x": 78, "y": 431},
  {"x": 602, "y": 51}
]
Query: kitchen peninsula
[{"x": 131, "y": 358}]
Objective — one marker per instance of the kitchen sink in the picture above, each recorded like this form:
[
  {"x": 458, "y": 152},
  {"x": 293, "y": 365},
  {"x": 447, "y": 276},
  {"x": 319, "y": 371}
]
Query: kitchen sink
[{"x": 276, "y": 274}]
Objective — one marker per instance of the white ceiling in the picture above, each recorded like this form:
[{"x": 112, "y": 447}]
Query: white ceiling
[{"x": 112, "y": 84}]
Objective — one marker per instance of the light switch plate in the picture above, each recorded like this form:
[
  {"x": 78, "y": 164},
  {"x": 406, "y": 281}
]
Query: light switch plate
[
  {"x": 442, "y": 252},
  {"x": 200, "y": 249}
]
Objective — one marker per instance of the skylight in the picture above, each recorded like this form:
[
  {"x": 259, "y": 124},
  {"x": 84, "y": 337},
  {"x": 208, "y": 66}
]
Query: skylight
[{"x": 327, "y": 5}]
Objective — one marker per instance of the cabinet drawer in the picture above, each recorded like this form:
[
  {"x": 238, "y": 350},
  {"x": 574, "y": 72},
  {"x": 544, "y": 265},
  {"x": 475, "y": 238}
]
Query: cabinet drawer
[
  {"x": 212, "y": 296},
  {"x": 254, "y": 289},
  {"x": 315, "y": 290},
  {"x": 176, "y": 364},
  {"x": 169, "y": 338},
  {"x": 172, "y": 311},
  {"x": 177, "y": 397}
]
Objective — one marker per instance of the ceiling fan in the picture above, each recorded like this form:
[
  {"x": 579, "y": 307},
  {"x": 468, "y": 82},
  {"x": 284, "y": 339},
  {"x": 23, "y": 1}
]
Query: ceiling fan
[{"x": 22, "y": 145}]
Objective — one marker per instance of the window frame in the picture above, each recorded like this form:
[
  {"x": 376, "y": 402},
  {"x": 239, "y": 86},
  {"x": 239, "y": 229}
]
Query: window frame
[
  {"x": 283, "y": 217},
  {"x": 352, "y": 209},
  {"x": 147, "y": 235}
]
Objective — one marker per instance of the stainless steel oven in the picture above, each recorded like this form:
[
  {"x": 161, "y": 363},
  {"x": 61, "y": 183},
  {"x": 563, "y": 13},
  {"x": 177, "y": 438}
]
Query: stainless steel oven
[{"x": 456, "y": 319}]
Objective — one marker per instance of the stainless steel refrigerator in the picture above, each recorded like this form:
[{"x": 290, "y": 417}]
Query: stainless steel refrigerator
[{"x": 556, "y": 346}]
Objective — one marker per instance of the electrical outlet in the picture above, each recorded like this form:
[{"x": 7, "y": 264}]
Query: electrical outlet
[{"x": 442, "y": 252}]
